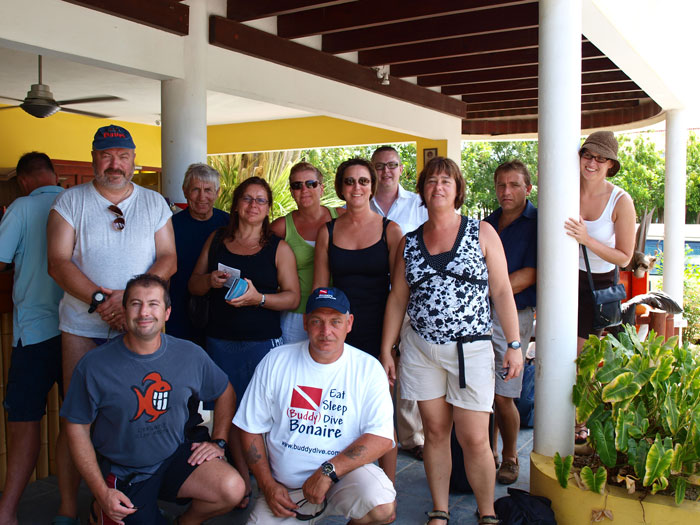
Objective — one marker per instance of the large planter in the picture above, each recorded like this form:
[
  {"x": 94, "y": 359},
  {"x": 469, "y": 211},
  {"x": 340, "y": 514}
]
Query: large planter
[{"x": 573, "y": 506}]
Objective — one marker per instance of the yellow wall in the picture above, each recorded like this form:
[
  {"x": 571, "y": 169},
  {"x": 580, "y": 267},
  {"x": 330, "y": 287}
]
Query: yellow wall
[{"x": 67, "y": 137}]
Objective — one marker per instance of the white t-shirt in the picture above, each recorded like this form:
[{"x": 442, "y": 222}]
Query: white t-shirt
[
  {"x": 407, "y": 210},
  {"x": 107, "y": 256},
  {"x": 312, "y": 411}
]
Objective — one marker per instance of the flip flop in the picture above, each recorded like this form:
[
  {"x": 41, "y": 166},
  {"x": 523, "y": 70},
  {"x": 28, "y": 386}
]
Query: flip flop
[
  {"x": 247, "y": 497},
  {"x": 581, "y": 435},
  {"x": 416, "y": 452}
]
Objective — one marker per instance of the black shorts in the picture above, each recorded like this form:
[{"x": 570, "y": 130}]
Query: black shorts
[
  {"x": 33, "y": 371},
  {"x": 585, "y": 300},
  {"x": 163, "y": 484}
]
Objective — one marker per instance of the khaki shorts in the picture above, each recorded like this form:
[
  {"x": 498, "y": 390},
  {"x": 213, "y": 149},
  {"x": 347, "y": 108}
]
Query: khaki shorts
[
  {"x": 357, "y": 493},
  {"x": 512, "y": 387},
  {"x": 430, "y": 371}
]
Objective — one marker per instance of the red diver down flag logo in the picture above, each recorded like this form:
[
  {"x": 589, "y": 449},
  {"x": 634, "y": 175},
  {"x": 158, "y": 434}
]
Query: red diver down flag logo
[{"x": 306, "y": 397}]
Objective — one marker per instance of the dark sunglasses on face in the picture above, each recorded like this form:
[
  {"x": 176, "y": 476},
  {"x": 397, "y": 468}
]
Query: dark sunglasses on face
[
  {"x": 379, "y": 166},
  {"x": 362, "y": 181},
  {"x": 308, "y": 517},
  {"x": 259, "y": 200},
  {"x": 297, "y": 185},
  {"x": 118, "y": 223},
  {"x": 599, "y": 159}
]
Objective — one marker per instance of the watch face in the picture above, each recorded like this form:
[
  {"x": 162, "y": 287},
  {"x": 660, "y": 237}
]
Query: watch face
[
  {"x": 219, "y": 442},
  {"x": 98, "y": 296},
  {"x": 327, "y": 468},
  {"x": 514, "y": 344}
]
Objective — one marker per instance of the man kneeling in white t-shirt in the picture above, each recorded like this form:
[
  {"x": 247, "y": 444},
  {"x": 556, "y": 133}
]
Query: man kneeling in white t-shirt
[{"x": 314, "y": 418}]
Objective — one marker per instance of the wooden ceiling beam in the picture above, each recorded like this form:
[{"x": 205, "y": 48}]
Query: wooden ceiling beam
[
  {"x": 589, "y": 89},
  {"x": 436, "y": 28},
  {"x": 235, "y": 36},
  {"x": 520, "y": 57},
  {"x": 595, "y": 106},
  {"x": 528, "y": 83},
  {"x": 370, "y": 13},
  {"x": 452, "y": 47},
  {"x": 167, "y": 15},
  {"x": 244, "y": 10}
]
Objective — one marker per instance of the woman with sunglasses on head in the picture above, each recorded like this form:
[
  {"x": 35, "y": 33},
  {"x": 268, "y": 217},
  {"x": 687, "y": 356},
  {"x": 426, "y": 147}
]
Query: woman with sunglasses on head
[
  {"x": 242, "y": 330},
  {"x": 299, "y": 229},
  {"x": 605, "y": 227},
  {"x": 357, "y": 251}
]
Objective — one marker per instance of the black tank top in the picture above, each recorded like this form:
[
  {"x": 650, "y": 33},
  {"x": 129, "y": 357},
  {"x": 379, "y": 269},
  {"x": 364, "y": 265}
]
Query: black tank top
[
  {"x": 247, "y": 323},
  {"x": 364, "y": 277}
]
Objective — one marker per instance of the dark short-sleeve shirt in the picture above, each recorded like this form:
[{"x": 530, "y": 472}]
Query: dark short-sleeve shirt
[{"x": 519, "y": 240}]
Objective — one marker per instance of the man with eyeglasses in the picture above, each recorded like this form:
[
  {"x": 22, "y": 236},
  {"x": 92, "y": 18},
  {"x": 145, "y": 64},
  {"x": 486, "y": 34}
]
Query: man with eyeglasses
[
  {"x": 311, "y": 431},
  {"x": 100, "y": 234},
  {"x": 403, "y": 207}
]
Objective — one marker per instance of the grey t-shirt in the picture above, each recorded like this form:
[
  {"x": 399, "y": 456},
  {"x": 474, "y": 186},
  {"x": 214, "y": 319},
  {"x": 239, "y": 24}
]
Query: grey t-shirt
[
  {"x": 139, "y": 402},
  {"x": 107, "y": 256}
]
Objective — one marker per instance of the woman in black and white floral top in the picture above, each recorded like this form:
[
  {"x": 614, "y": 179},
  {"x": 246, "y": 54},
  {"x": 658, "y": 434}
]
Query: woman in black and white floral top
[{"x": 442, "y": 277}]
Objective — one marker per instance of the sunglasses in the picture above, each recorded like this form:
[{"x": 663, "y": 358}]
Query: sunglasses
[
  {"x": 300, "y": 184},
  {"x": 118, "y": 223},
  {"x": 362, "y": 181},
  {"x": 249, "y": 200},
  {"x": 379, "y": 166},
  {"x": 597, "y": 158},
  {"x": 308, "y": 517}
]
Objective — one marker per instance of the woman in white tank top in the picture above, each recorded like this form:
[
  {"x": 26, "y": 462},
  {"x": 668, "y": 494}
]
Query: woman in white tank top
[{"x": 605, "y": 227}]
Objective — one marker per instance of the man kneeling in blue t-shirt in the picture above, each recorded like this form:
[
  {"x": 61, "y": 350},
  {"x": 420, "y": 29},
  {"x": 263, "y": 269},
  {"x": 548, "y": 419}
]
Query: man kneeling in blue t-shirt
[
  {"x": 135, "y": 389},
  {"x": 314, "y": 418}
]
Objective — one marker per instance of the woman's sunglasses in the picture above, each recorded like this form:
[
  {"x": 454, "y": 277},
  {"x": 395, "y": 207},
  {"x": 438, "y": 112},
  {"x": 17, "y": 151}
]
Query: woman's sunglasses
[
  {"x": 308, "y": 517},
  {"x": 297, "y": 185},
  {"x": 118, "y": 223},
  {"x": 362, "y": 181}
]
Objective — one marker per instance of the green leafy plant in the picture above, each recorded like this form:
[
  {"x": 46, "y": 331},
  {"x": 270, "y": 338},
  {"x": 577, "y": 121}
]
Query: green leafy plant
[
  {"x": 562, "y": 468},
  {"x": 641, "y": 401}
]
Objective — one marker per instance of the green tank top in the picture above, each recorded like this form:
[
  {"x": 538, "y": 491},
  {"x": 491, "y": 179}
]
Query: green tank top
[{"x": 304, "y": 254}]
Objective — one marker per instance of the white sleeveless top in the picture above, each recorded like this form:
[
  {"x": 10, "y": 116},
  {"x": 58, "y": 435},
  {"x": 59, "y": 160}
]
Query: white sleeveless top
[{"x": 602, "y": 229}]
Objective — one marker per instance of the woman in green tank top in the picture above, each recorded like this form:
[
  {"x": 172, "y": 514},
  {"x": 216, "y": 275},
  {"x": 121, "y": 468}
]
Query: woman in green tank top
[{"x": 299, "y": 229}]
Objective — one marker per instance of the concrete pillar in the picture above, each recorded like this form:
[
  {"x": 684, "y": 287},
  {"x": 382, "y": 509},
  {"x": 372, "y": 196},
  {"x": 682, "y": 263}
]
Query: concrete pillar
[
  {"x": 558, "y": 199},
  {"x": 184, "y": 107},
  {"x": 674, "y": 203}
]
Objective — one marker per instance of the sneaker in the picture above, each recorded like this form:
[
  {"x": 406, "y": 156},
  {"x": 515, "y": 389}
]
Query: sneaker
[{"x": 508, "y": 472}]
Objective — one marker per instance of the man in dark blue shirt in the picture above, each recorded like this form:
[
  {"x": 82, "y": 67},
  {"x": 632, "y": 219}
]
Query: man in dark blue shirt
[{"x": 516, "y": 224}]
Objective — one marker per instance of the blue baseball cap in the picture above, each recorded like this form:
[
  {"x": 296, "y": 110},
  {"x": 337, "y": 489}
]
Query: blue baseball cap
[
  {"x": 112, "y": 137},
  {"x": 328, "y": 298}
]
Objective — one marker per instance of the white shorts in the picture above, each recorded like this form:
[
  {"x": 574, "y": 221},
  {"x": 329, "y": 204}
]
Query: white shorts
[
  {"x": 512, "y": 387},
  {"x": 357, "y": 493},
  {"x": 429, "y": 371}
]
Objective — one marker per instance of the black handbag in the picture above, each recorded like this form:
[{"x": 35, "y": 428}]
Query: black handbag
[
  {"x": 607, "y": 306},
  {"x": 198, "y": 305}
]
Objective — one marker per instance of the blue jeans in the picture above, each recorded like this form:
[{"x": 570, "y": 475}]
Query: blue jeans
[{"x": 238, "y": 359}]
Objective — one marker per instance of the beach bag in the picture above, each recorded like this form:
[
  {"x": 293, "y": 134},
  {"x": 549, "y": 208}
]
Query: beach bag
[
  {"x": 607, "y": 302},
  {"x": 522, "y": 508}
]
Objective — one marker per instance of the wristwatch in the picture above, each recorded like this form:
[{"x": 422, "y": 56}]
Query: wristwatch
[
  {"x": 328, "y": 469},
  {"x": 262, "y": 301},
  {"x": 97, "y": 299},
  {"x": 515, "y": 345},
  {"x": 221, "y": 443}
]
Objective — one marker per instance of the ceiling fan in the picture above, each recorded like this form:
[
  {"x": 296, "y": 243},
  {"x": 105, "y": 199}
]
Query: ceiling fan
[{"x": 40, "y": 103}]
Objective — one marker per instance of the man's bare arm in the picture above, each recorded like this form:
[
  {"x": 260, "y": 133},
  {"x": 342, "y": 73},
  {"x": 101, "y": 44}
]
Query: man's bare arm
[
  {"x": 522, "y": 279},
  {"x": 112, "y": 501},
  {"x": 60, "y": 238},
  {"x": 165, "y": 264}
]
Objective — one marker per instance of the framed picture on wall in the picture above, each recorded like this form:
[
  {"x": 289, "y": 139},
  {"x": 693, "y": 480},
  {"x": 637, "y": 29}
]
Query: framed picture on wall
[{"x": 429, "y": 154}]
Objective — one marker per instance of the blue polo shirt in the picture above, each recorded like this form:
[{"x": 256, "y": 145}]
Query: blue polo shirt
[
  {"x": 23, "y": 240},
  {"x": 519, "y": 240}
]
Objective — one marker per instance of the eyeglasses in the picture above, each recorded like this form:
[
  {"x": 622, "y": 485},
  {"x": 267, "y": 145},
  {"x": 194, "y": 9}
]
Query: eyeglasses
[
  {"x": 118, "y": 223},
  {"x": 308, "y": 517},
  {"x": 379, "y": 166},
  {"x": 258, "y": 200},
  {"x": 362, "y": 181},
  {"x": 297, "y": 185},
  {"x": 599, "y": 159}
]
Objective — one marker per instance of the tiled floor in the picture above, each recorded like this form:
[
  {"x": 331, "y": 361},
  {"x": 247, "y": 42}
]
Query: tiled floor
[{"x": 40, "y": 500}]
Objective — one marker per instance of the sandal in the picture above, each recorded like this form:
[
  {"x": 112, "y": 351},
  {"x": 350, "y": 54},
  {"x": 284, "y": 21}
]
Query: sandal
[
  {"x": 437, "y": 515},
  {"x": 243, "y": 506},
  {"x": 489, "y": 520},
  {"x": 416, "y": 452},
  {"x": 580, "y": 434}
]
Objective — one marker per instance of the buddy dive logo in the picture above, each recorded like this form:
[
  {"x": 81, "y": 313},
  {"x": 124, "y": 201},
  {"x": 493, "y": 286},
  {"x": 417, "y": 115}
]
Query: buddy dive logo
[
  {"x": 154, "y": 401},
  {"x": 305, "y": 408}
]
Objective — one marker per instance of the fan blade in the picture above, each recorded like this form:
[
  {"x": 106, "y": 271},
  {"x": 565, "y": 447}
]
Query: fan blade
[
  {"x": 11, "y": 98},
  {"x": 86, "y": 113},
  {"x": 103, "y": 98}
]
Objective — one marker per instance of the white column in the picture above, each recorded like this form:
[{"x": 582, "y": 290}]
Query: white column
[
  {"x": 558, "y": 199},
  {"x": 184, "y": 107},
  {"x": 674, "y": 203}
]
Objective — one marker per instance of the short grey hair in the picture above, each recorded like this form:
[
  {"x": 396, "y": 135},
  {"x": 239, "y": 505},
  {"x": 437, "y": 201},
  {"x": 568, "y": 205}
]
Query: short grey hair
[{"x": 203, "y": 172}]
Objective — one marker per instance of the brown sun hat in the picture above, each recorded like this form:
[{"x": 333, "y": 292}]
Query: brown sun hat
[{"x": 603, "y": 143}]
